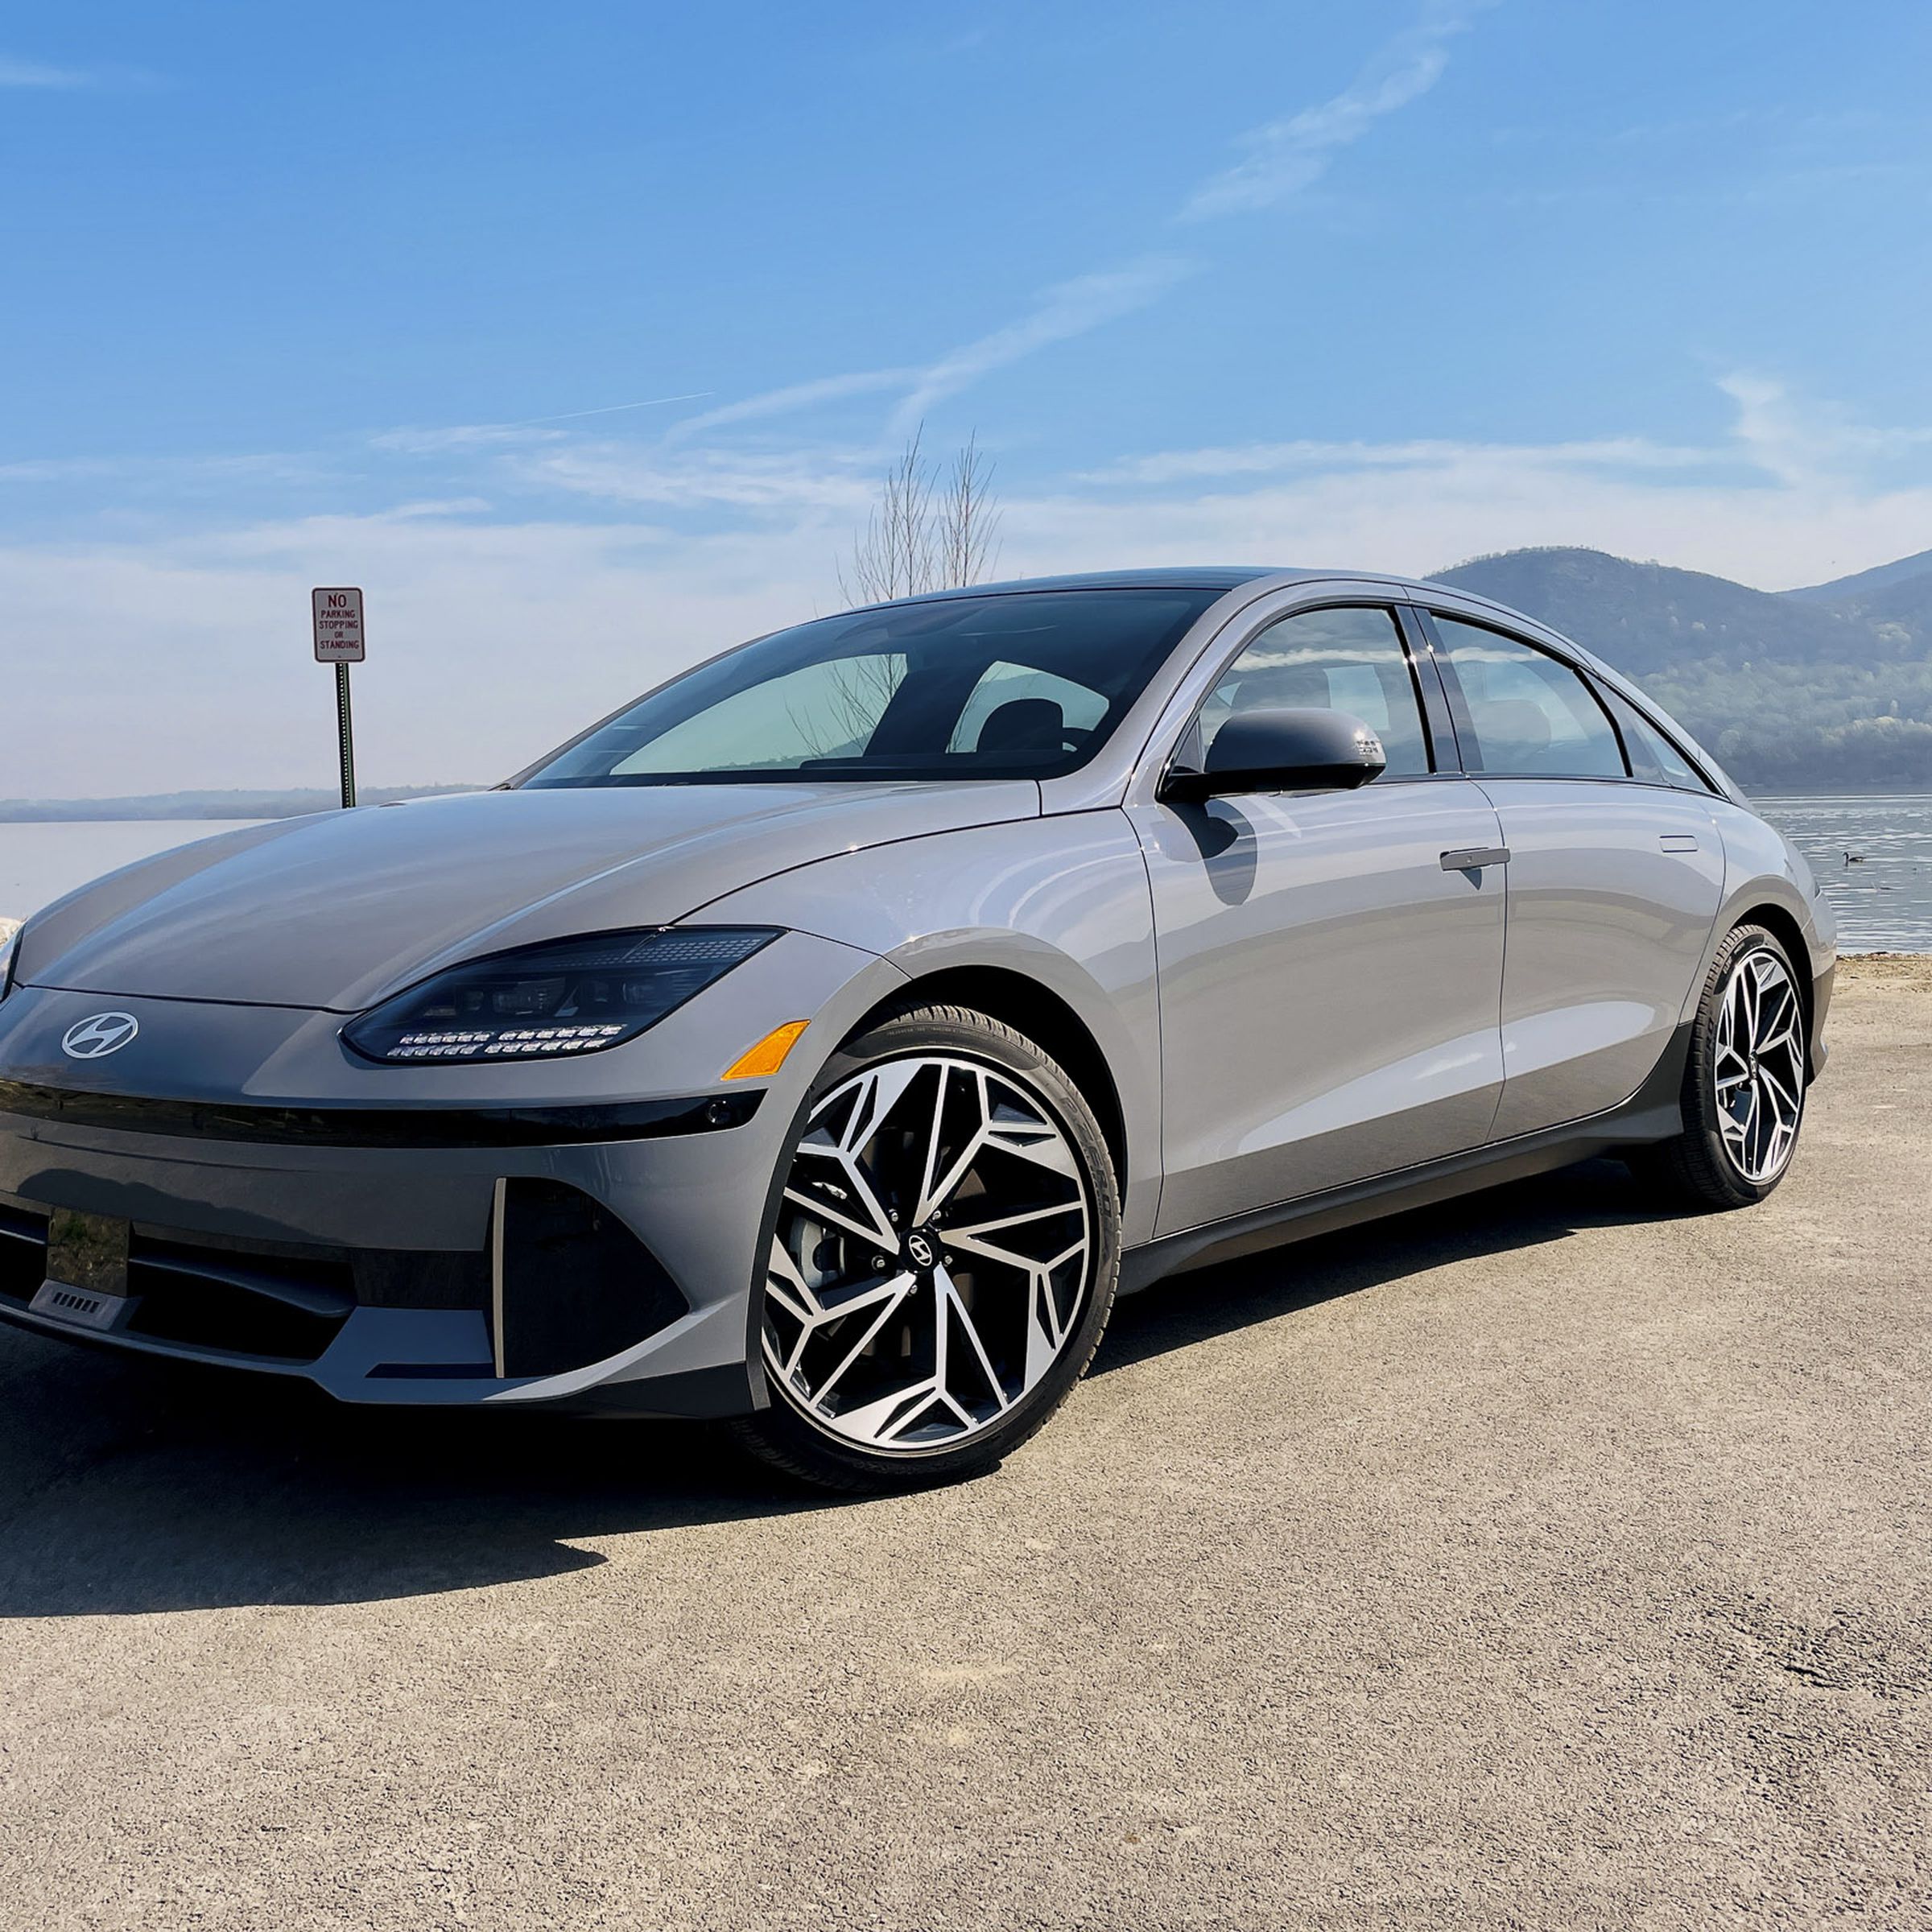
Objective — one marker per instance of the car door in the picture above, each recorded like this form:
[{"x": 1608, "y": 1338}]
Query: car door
[
  {"x": 1328, "y": 988},
  {"x": 1614, "y": 880}
]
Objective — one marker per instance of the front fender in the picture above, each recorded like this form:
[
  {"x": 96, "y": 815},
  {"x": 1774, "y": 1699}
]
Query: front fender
[{"x": 1063, "y": 902}]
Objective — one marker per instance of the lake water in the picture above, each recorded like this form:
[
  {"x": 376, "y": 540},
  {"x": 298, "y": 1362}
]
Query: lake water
[
  {"x": 38, "y": 863},
  {"x": 1873, "y": 856},
  {"x": 1883, "y": 896}
]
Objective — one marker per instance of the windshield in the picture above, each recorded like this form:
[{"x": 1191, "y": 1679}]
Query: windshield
[{"x": 1025, "y": 685}]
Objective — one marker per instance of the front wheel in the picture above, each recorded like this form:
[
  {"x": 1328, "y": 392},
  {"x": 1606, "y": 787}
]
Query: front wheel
[
  {"x": 1744, "y": 1091},
  {"x": 944, "y": 1257}
]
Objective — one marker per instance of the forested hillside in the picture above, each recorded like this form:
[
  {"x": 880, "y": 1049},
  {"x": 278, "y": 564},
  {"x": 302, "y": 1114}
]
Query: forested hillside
[{"x": 1828, "y": 688}]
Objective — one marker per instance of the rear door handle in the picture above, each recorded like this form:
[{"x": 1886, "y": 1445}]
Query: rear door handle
[
  {"x": 1677, "y": 841},
  {"x": 1473, "y": 858}
]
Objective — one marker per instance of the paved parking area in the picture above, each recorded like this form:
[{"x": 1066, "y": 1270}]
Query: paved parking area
[{"x": 1532, "y": 1561}]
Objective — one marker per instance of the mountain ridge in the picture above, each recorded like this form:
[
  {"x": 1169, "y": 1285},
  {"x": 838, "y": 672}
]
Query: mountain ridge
[
  {"x": 1790, "y": 689},
  {"x": 1881, "y": 576}
]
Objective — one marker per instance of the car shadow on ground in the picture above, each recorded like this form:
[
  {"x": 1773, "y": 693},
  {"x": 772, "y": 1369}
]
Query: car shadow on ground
[
  {"x": 129, "y": 1487},
  {"x": 1187, "y": 1308}
]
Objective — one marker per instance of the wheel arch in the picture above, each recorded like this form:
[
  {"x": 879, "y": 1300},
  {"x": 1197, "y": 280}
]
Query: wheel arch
[
  {"x": 1779, "y": 922},
  {"x": 1030, "y": 1007}
]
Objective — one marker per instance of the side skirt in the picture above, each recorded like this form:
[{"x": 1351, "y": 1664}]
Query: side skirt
[{"x": 1654, "y": 1113}]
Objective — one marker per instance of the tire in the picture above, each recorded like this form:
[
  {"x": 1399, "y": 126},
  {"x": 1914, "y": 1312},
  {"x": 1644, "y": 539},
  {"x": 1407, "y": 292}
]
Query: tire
[
  {"x": 1745, "y": 1082},
  {"x": 944, "y": 1259}
]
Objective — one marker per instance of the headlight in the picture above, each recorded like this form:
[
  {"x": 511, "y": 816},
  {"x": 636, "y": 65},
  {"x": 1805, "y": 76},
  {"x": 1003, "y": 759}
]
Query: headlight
[{"x": 566, "y": 997}]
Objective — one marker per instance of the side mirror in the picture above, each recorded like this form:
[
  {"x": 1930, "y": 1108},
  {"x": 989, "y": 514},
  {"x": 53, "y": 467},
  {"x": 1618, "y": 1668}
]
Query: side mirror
[{"x": 1300, "y": 750}]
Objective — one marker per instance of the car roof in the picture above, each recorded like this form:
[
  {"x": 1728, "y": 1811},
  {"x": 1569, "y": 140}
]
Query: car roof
[{"x": 1201, "y": 576}]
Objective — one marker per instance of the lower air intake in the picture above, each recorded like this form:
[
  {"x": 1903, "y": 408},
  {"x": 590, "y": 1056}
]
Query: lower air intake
[{"x": 572, "y": 1285}]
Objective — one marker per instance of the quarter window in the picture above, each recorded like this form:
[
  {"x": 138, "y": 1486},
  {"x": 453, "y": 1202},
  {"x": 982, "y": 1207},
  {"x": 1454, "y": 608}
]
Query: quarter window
[
  {"x": 1350, "y": 660},
  {"x": 1652, "y": 755},
  {"x": 1533, "y": 715}
]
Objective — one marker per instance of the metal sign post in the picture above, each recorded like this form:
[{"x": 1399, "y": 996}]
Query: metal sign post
[
  {"x": 338, "y": 615},
  {"x": 346, "y": 733}
]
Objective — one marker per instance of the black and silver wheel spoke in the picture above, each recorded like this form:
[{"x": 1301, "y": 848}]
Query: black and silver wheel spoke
[
  {"x": 1758, "y": 1069},
  {"x": 932, "y": 1254}
]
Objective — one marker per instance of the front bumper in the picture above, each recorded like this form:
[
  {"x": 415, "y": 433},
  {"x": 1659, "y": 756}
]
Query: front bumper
[
  {"x": 379, "y": 1274},
  {"x": 593, "y": 1250}
]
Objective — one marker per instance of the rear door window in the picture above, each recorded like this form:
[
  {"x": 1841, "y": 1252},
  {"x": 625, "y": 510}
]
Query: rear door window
[{"x": 1533, "y": 717}]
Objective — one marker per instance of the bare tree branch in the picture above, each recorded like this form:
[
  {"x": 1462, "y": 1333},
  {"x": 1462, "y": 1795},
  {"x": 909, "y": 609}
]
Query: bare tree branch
[
  {"x": 968, "y": 519},
  {"x": 919, "y": 536},
  {"x": 895, "y": 556}
]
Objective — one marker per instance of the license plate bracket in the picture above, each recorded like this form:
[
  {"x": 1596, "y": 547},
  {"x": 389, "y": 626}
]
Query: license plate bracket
[{"x": 86, "y": 1270}]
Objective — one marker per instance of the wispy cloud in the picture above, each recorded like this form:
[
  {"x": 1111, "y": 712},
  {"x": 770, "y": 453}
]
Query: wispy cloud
[
  {"x": 798, "y": 481},
  {"x": 34, "y": 73},
  {"x": 1801, "y": 442},
  {"x": 175, "y": 472},
  {"x": 411, "y": 441},
  {"x": 1276, "y": 459},
  {"x": 1775, "y": 438},
  {"x": 792, "y": 398},
  {"x": 1066, "y": 310},
  {"x": 1284, "y": 157},
  {"x": 610, "y": 409},
  {"x": 40, "y": 74}
]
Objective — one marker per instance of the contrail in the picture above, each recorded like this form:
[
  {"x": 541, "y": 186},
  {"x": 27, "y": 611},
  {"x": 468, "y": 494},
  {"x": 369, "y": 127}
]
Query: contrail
[{"x": 574, "y": 415}]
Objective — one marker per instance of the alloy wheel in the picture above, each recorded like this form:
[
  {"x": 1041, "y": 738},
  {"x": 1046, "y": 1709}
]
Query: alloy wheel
[
  {"x": 1759, "y": 1075},
  {"x": 934, "y": 1250}
]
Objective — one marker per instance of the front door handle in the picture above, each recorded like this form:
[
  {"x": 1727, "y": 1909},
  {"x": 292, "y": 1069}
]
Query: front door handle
[
  {"x": 1473, "y": 858},
  {"x": 1677, "y": 841}
]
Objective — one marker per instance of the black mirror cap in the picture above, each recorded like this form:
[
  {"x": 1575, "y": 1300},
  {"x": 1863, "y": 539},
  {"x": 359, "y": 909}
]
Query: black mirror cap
[{"x": 1302, "y": 749}]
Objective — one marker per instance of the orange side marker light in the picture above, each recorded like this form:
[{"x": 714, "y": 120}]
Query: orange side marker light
[{"x": 760, "y": 1062}]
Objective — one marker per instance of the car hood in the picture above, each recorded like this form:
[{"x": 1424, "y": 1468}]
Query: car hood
[{"x": 336, "y": 910}]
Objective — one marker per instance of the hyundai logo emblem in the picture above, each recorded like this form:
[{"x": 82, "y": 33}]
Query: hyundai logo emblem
[
  {"x": 921, "y": 1249},
  {"x": 94, "y": 1038}
]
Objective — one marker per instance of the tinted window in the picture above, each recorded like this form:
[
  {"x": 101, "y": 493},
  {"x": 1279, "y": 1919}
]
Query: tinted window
[
  {"x": 1533, "y": 715},
  {"x": 1023, "y": 686},
  {"x": 1652, "y": 755},
  {"x": 1335, "y": 660}
]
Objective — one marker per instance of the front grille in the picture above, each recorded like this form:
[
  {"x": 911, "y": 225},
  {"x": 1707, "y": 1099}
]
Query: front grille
[
  {"x": 210, "y": 1303},
  {"x": 281, "y": 1301},
  {"x": 22, "y": 1253},
  {"x": 575, "y": 1284}
]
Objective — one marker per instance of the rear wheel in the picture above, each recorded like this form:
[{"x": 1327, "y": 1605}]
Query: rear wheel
[
  {"x": 944, "y": 1258},
  {"x": 1744, "y": 1093}
]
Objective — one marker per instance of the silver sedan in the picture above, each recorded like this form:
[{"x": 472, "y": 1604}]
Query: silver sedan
[{"x": 825, "y": 1040}]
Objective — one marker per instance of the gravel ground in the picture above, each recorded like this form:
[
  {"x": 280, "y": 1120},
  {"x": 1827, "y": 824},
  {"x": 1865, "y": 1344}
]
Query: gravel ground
[{"x": 1534, "y": 1562}]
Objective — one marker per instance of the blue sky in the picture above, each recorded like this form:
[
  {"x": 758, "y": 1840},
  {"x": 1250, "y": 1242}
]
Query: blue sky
[{"x": 367, "y": 294}]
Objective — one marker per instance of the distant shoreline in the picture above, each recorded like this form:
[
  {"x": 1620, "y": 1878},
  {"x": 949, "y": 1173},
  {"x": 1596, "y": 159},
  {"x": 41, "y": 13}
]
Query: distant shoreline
[{"x": 205, "y": 805}]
